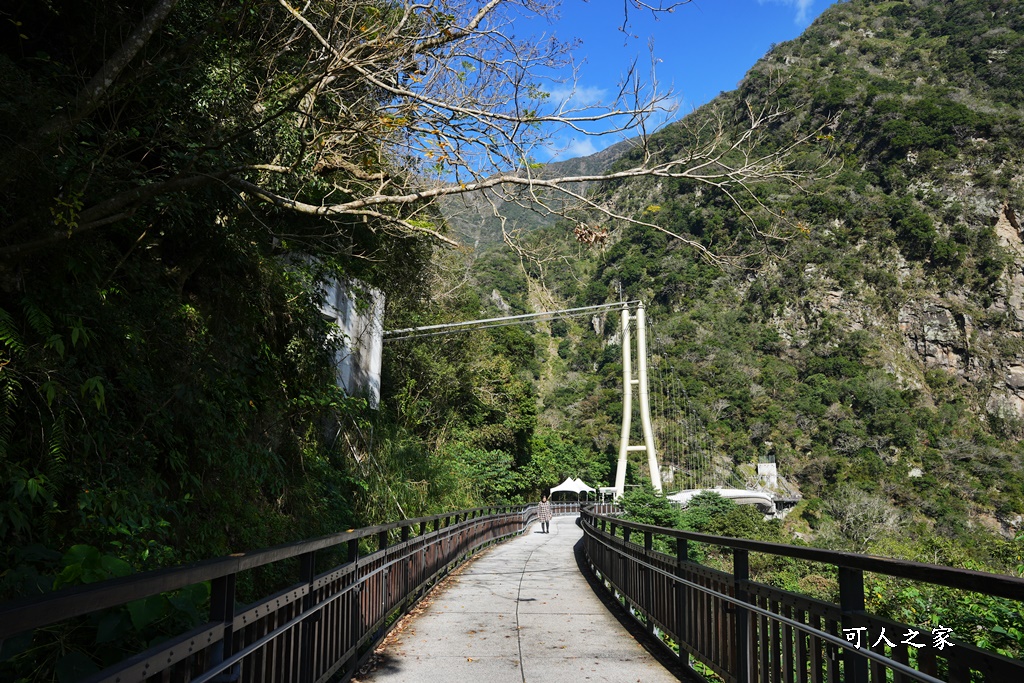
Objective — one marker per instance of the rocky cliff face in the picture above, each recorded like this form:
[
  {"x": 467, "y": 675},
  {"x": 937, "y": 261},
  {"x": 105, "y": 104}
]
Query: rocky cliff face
[
  {"x": 949, "y": 296},
  {"x": 978, "y": 337}
]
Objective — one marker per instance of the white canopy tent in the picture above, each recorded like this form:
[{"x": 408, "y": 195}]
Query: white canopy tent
[
  {"x": 571, "y": 485},
  {"x": 583, "y": 487}
]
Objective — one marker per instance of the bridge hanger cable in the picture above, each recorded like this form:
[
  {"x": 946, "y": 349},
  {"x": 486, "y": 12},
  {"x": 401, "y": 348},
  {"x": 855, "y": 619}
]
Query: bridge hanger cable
[{"x": 685, "y": 444}]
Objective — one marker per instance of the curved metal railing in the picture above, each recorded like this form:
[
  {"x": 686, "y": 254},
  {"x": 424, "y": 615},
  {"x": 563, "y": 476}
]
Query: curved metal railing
[
  {"x": 748, "y": 631},
  {"x": 322, "y": 626}
]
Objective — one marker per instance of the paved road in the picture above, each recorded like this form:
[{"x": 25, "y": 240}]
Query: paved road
[{"x": 520, "y": 613}]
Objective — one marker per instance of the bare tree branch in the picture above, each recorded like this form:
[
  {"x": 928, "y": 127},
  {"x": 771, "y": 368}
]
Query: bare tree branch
[{"x": 371, "y": 111}]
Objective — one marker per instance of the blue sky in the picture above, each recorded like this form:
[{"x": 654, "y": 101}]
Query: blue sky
[{"x": 704, "y": 47}]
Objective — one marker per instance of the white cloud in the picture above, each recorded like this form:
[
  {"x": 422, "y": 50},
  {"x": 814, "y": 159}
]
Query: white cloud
[
  {"x": 580, "y": 147},
  {"x": 561, "y": 149},
  {"x": 802, "y": 8},
  {"x": 580, "y": 96}
]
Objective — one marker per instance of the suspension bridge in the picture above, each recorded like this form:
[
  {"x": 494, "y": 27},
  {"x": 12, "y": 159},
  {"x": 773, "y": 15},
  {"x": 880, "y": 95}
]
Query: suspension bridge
[{"x": 677, "y": 455}]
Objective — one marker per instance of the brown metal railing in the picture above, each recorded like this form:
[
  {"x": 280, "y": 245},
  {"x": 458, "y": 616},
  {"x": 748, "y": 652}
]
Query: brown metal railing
[
  {"x": 323, "y": 626},
  {"x": 745, "y": 631}
]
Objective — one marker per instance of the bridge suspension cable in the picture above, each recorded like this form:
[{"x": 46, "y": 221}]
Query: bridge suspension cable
[{"x": 504, "y": 321}]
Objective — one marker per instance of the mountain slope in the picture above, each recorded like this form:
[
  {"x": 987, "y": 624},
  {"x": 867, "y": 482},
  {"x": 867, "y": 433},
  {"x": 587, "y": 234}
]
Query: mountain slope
[
  {"x": 883, "y": 350},
  {"x": 473, "y": 216}
]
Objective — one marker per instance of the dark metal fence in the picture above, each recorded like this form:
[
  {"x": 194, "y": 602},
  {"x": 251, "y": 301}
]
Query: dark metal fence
[
  {"x": 322, "y": 626},
  {"x": 745, "y": 631}
]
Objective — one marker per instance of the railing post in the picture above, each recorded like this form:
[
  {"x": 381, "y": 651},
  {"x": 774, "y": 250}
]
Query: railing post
[
  {"x": 851, "y": 602},
  {"x": 682, "y": 555},
  {"x": 382, "y": 540},
  {"x": 741, "y": 574},
  {"x": 307, "y": 573},
  {"x": 627, "y": 569},
  {"x": 407, "y": 573},
  {"x": 648, "y": 580},
  {"x": 355, "y": 602},
  {"x": 222, "y": 609}
]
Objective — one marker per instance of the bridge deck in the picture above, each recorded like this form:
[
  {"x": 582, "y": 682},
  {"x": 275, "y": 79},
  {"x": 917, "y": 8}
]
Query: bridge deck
[{"x": 521, "y": 612}]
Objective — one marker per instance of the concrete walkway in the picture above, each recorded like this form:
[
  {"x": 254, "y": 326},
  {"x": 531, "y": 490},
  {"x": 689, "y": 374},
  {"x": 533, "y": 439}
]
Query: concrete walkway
[{"x": 520, "y": 613}]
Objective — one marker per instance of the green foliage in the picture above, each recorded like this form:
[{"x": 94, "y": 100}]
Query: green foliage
[
  {"x": 933, "y": 123},
  {"x": 229, "y": 388},
  {"x": 991, "y": 623},
  {"x": 642, "y": 505},
  {"x": 706, "y": 512},
  {"x": 515, "y": 344},
  {"x": 494, "y": 273},
  {"x": 85, "y": 564},
  {"x": 491, "y": 474},
  {"x": 914, "y": 229},
  {"x": 710, "y": 513},
  {"x": 68, "y": 651},
  {"x": 167, "y": 391},
  {"x": 553, "y": 458}
]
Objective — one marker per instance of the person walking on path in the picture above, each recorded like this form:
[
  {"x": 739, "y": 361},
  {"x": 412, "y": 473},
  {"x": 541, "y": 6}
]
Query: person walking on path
[{"x": 544, "y": 514}]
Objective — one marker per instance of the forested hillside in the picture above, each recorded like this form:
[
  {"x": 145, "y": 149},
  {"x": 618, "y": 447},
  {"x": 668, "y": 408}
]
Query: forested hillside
[
  {"x": 484, "y": 219},
  {"x": 876, "y": 355}
]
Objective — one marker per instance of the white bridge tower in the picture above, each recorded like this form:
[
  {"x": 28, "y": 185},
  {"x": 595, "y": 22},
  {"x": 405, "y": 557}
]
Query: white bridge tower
[{"x": 627, "y": 400}]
